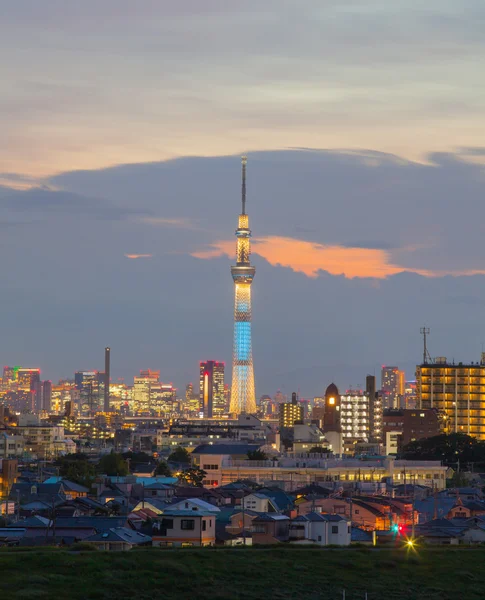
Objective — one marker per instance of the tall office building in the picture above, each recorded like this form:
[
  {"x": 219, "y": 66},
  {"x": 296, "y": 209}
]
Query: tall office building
[
  {"x": 27, "y": 378},
  {"x": 143, "y": 387},
  {"x": 90, "y": 385},
  {"x": 42, "y": 396},
  {"x": 290, "y": 412},
  {"x": 392, "y": 386},
  {"x": 243, "y": 399},
  {"x": 211, "y": 387},
  {"x": 457, "y": 391}
]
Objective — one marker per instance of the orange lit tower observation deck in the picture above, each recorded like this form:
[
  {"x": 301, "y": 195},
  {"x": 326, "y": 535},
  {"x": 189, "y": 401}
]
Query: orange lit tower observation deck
[{"x": 243, "y": 398}]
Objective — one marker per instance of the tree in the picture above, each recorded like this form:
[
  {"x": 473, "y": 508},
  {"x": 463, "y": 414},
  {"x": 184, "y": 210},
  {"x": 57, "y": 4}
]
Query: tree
[
  {"x": 193, "y": 476},
  {"x": 163, "y": 469},
  {"x": 137, "y": 458},
  {"x": 179, "y": 455},
  {"x": 77, "y": 468},
  {"x": 451, "y": 449},
  {"x": 257, "y": 455},
  {"x": 113, "y": 464}
]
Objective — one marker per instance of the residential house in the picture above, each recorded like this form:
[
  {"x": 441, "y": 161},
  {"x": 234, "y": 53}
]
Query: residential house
[
  {"x": 467, "y": 509},
  {"x": 185, "y": 528},
  {"x": 270, "y": 528},
  {"x": 118, "y": 539},
  {"x": 362, "y": 514},
  {"x": 320, "y": 529},
  {"x": 260, "y": 503}
]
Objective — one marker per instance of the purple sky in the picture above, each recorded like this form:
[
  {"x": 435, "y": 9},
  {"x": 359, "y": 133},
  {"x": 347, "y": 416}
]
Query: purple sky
[{"x": 355, "y": 249}]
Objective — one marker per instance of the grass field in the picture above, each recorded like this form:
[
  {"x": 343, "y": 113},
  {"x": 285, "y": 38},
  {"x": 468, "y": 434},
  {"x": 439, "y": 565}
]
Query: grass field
[{"x": 249, "y": 574}]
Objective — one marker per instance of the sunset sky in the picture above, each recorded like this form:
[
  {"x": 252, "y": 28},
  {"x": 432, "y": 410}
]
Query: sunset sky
[{"x": 122, "y": 124}]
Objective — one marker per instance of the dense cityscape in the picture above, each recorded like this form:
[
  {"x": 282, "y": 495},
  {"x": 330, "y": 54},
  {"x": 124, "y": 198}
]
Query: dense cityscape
[{"x": 242, "y": 284}]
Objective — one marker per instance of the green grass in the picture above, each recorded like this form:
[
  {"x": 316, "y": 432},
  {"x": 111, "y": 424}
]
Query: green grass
[{"x": 280, "y": 573}]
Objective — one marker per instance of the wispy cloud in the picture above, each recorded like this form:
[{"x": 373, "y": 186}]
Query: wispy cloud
[
  {"x": 313, "y": 259},
  {"x": 134, "y": 256},
  {"x": 181, "y": 223}
]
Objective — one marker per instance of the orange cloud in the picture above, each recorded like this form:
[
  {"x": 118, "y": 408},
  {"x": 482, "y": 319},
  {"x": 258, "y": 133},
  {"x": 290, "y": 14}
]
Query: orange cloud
[
  {"x": 138, "y": 255},
  {"x": 311, "y": 258}
]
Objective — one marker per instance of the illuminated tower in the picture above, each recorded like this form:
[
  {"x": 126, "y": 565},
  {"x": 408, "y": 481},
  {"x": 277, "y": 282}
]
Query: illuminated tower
[{"x": 243, "y": 399}]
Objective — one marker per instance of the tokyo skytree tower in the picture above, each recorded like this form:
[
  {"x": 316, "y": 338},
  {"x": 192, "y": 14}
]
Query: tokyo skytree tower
[{"x": 243, "y": 398}]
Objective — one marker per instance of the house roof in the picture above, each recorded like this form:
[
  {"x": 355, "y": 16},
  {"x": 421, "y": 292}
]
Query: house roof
[
  {"x": 265, "y": 517},
  {"x": 171, "y": 512},
  {"x": 100, "y": 524},
  {"x": 158, "y": 486},
  {"x": 120, "y": 534},
  {"x": 319, "y": 517},
  {"x": 199, "y": 503},
  {"x": 359, "y": 535}
]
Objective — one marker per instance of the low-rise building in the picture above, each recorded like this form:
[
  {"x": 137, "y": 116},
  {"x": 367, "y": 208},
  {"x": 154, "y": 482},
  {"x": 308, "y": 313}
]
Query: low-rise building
[
  {"x": 270, "y": 528},
  {"x": 320, "y": 529},
  {"x": 185, "y": 528},
  {"x": 11, "y": 444},
  {"x": 118, "y": 538},
  {"x": 41, "y": 441}
]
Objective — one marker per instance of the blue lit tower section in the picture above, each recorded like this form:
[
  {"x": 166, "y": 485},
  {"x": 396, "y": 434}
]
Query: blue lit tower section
[{"x": 243, "y": 399}]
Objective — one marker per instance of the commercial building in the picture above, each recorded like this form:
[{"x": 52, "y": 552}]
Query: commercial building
[
  {"x": 90, "y": 385},
  {"x": 226, "y": 463},
  {"x": 27, "y": 378},
  {"x": 42, "y": 396},
  {"x": 457, "y": 391},
  {"x": 290, "y": 412},
  {"x": 211, "y": 386}
]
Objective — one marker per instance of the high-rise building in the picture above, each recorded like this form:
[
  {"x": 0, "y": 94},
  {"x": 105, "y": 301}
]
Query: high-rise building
[
  {"x": 375, "y": 409},
  {"x": 42, "y": 396},
  {"x": 392, "y": 386},
  {"x": 457, "y": 392},
  {"x": 142, "y": 390},
  {"x": 290, "y": 412},
  {"x": 211, "y": 388},
  {"x": 243, "y": 399},
  {"x": 27, "y": 378},
  {"x": 355, "y": 415},
  {"x": 91, "y": 390}
]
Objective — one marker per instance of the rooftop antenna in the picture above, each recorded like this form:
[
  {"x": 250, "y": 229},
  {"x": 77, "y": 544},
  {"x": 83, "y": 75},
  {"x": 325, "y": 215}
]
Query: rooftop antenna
[
  {"x": 244, "y": 160},
  {"x": 425, "y": 332}
]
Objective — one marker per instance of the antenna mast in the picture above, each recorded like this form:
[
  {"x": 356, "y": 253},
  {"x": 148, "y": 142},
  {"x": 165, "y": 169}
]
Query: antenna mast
[
  {"x": 244, "y": 160},
  {"x": 425, "y": 332}
]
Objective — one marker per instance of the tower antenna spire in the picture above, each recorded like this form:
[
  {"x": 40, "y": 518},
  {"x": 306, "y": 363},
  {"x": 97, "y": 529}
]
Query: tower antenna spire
[
  {"x": 244, "y": 160},
  {"x": 425, "y": 332}
]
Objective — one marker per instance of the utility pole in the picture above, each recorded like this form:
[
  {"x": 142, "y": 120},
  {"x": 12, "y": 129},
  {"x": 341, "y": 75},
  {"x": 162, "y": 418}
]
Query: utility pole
[
  {"x": 243, "y": 519},
  {"x": 414, "y": 499}
]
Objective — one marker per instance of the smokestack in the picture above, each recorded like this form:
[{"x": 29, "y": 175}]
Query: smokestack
[
  {"x": 293, "y": 398},
  {"x": 107, "y": 364}
]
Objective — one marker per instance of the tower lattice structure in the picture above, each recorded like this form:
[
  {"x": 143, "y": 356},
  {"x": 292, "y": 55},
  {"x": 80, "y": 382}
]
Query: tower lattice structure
[{"x": 243, "y": 399}]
